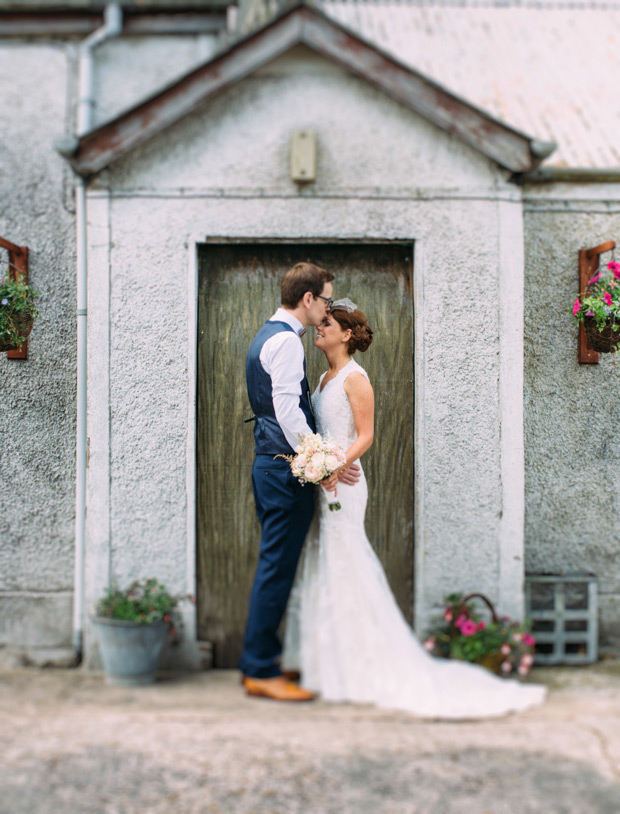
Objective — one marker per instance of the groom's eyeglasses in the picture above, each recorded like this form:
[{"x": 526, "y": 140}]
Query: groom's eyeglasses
[{"x": 329, "y": 301}]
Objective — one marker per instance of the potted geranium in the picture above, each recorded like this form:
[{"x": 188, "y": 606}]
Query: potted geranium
[
  {"x": 17, "y": 312},
  {"x": 598, "y": 308},
  {"x": 132, "y": 627},
  {"x": 502, "y": 645}
]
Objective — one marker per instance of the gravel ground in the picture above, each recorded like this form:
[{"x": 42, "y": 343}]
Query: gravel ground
[{"x": 195, "y": 744}]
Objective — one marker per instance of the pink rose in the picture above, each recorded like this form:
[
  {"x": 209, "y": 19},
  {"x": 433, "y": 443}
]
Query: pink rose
[
  {"x": 462, "y": 618},
  {"x": 517, "y": 637},
  {"x": 506, "y": 666},
  {"x": 576, "y": 306},
  {"x": 468, "y": 628},
  {"x": 527, "y": 659},
  {"x": 523, "y": 670},
  {"x": 607, "y": 298},
  {"x": 505, "y": 649},
  {"x": 429, "y": 644},
  {"x": 447, "y": 615}
]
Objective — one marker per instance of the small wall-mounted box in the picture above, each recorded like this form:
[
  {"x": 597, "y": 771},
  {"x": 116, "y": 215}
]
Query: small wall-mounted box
[{"x": 303, "y": 157}]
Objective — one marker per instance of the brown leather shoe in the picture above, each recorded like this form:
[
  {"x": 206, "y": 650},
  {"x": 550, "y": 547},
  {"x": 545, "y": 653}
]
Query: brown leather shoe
[
  {"x": 291, "y": 675},
  {"x": 276, "y": 688}
]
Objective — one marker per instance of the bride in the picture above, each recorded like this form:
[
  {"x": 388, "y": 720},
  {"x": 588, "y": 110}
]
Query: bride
[{"x": 345, "y": 633}]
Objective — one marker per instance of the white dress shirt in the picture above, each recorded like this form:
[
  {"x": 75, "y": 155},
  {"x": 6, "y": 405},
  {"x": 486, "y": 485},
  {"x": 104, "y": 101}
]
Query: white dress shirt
[{"x": 282, "y": 357}]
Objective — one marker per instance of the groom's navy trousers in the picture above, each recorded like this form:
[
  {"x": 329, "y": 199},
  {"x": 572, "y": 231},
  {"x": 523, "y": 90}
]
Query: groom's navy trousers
[{"x": 284, "y": 508}]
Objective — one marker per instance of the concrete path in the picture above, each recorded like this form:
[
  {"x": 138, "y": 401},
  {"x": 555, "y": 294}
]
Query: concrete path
[{"x": 194, "y": 744}]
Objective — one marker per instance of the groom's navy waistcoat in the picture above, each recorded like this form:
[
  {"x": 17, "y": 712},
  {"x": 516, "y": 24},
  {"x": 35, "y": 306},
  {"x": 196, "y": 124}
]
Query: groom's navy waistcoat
[{"x": 268, "y": 436}]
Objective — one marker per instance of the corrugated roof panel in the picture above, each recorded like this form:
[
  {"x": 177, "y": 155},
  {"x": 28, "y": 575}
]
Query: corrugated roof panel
[{"x": 549, "y": 70}]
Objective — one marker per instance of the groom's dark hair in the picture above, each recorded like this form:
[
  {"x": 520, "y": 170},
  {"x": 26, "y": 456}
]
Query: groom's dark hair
[{"x": 301, "y": 278}]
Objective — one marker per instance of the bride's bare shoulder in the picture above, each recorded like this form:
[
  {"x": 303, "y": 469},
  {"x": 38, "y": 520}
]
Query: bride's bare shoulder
[{"x": 357, "y": 381}]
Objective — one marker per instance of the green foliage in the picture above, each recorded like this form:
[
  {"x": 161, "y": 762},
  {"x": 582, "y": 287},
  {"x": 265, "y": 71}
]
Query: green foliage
[
  {"x": 16, "y": 300},
  {"x": 462, "y": 633},
  {"x": 144, "y": 601}
]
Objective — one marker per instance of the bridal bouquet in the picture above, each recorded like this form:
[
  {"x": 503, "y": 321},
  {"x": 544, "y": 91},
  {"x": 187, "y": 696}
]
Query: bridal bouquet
[{"x": 317, "y": 458}]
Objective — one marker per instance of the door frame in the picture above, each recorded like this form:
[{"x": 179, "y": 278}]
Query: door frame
[{"x": 194, "y": 245}]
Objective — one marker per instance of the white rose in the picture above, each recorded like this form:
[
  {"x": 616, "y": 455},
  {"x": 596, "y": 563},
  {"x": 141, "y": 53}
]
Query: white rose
[
  {"x": 331, "y": 462},
  {"x": 312, "y": 473}
]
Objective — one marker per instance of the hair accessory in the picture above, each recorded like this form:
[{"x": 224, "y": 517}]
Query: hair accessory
[{"x": 344, "y": 305}]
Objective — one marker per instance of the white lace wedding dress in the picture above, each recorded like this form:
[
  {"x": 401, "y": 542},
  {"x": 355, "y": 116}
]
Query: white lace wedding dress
[{"x": 345, "y": 632}]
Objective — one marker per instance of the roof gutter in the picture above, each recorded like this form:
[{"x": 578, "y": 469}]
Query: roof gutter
[{"x": 569, "y": 175}]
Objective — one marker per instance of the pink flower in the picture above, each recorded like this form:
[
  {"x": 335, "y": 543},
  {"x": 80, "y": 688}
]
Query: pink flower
[
  {"x": 505, "y": 649},
  {"x": 523, "y": 670},
  {"x": 607, "y": 298},
  {"x": 529, "y": 641},
  {"x": 429, "y": 644},
  {"x": 594, "y": 279},
  {"x": 480, "y": 626},
  {"x": 527, "y": 659},
  {"x": 506, "y": 666},
  {"x": 615, "y": 267},
  {"x": 447, "y": 615},
  {"x": 462, "y": 618},
  {"x": 468, "y": 628},
  {"x": 517, "y": 637},
  {"x": 576, "y": 306},
  {"x": 589, "y": 313}
]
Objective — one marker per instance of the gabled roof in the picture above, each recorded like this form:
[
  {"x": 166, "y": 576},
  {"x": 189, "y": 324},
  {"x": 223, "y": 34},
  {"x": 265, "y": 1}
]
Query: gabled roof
[{"x": 305, "y": 25}]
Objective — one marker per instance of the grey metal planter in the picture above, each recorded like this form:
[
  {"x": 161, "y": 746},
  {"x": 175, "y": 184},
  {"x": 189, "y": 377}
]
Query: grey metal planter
[{"x": 130, "y": 651}]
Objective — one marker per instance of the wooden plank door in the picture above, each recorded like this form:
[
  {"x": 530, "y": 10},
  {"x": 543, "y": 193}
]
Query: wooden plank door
[{"x": 239, "y": 289}]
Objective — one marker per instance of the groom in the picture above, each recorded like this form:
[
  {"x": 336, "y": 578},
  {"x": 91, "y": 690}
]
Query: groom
[{"x": 280, "y": 400}]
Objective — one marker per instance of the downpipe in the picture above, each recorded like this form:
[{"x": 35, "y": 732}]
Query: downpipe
[{"x": 112, "y": 27}]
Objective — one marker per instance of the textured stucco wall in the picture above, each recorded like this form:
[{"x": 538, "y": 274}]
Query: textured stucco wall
[
  {"x": 223, "y": 171},
  {"x": 129, "y": 69},
  {"x": 37, "y": 396},
  {"x": 572, "y": 411}
]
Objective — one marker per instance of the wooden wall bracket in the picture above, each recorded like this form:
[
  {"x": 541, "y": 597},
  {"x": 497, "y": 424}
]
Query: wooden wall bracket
[
  {"x": 588, "y": 264},
  {"x": 18, "y": 264}
]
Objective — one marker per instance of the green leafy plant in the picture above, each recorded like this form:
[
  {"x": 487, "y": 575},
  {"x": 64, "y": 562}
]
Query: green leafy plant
[
  {"x": 16, "y": 305},
  {"x": 462, "y": 633},
  {"x": 144, "y": 601}
]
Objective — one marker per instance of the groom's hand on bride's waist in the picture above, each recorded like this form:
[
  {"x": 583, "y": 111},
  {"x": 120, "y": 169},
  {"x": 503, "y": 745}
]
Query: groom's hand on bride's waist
[{"x": 349, "y": 475}]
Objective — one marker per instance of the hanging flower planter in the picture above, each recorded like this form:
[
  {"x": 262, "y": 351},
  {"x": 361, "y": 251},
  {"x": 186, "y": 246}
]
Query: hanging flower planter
[
  {"x": 603, "y": 339},
  {"x": 598, "y": 309},
  {"x": 16, "y": 332},
  {"x": 17, "y": 312}
]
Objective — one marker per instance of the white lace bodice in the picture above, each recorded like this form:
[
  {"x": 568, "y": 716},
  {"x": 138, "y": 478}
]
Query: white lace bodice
[{"x": 332, "y": 409}]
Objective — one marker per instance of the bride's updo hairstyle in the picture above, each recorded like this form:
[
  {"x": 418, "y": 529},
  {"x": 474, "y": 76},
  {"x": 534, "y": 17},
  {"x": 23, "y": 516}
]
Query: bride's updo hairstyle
[{"x": 351, "y": 318}]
